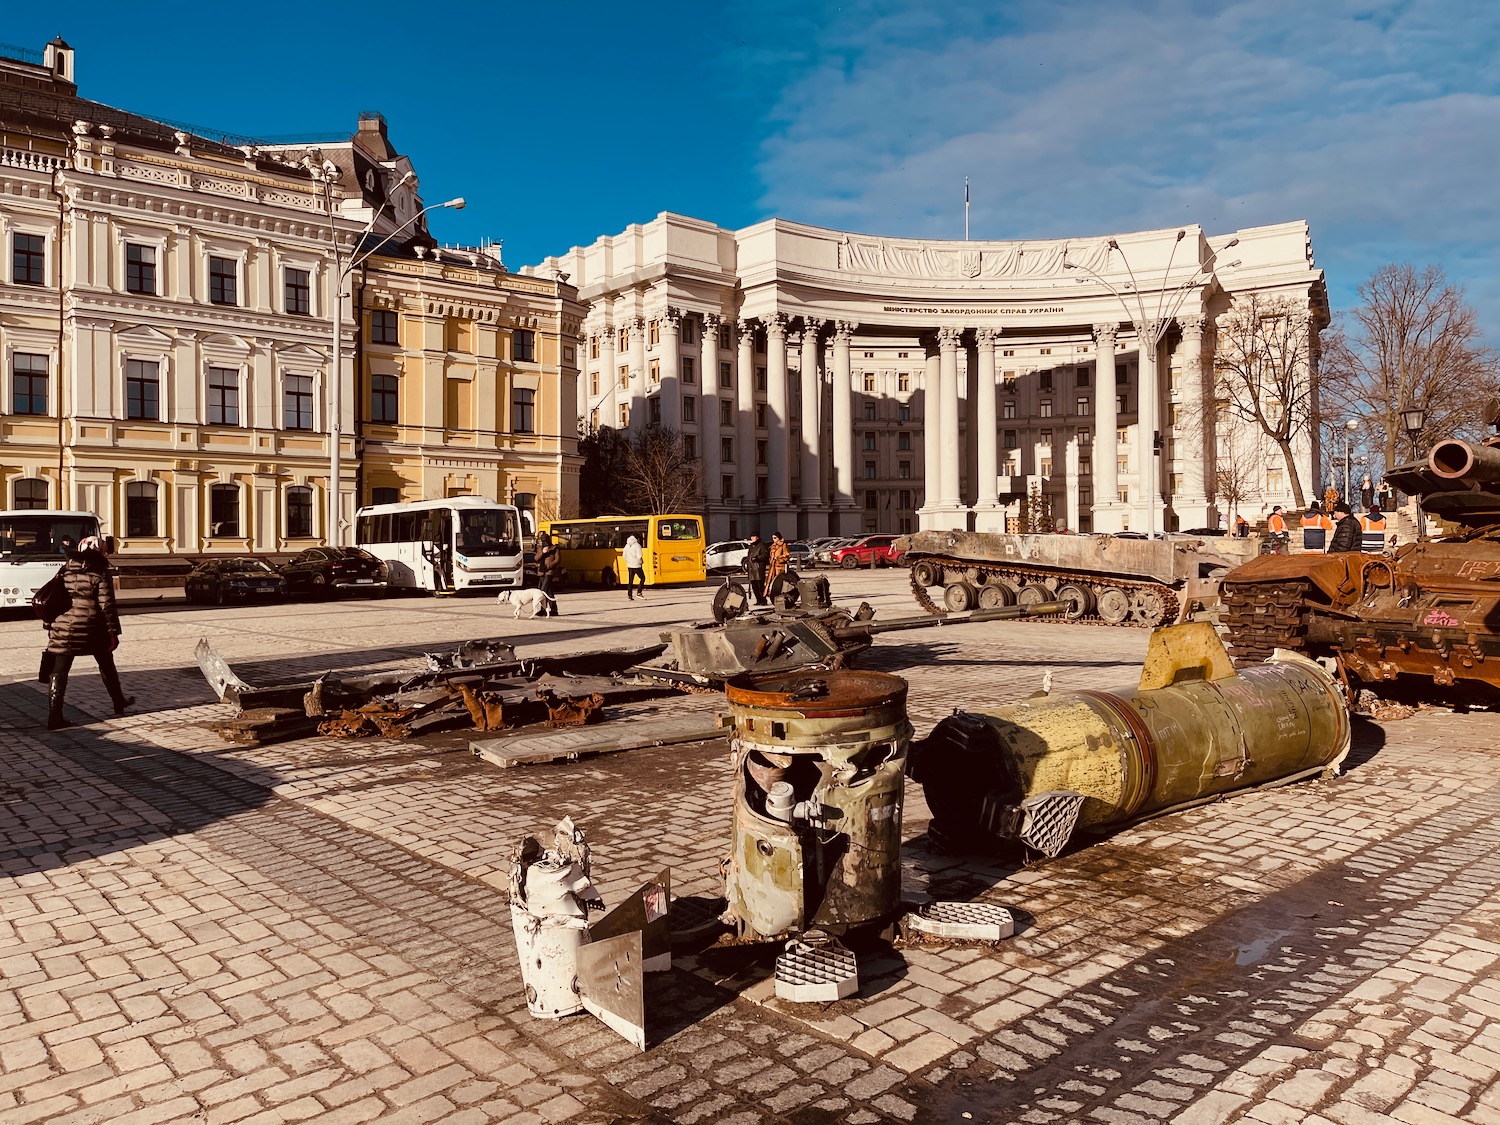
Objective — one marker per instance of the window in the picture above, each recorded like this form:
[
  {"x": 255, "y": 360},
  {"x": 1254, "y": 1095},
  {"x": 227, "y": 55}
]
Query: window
[
  {"x": 870, "y": 443},
  {"x": 522, "y": 408},
  {"x": 1046, "y": 408},
  {"x": 689, "y": 370},
  {"x": 687, "y": 331},
  {"x": 1122, "y": 436},
  {"x": 1120, "y": 379},
  {"x": 869, "y": 355},
  {"x": 760, "y": 378},
  {"x": 726, "y": 414},
  {"x": 383, "y": 327},
  {"x": 30, "y": 494},
  {"x": 383, "y": 398},
  {"x": 1045, "y": 438},
  {"x": 594, "y": 383},
  {"x": 28, "y": 387},
  {"x": 1008, "y": 383},
  {"x": 223, "y": 281},
  {"x": 140, "y": 509},
  {"x": 655, "y": 371},
  {"x": 624, "y": 374},
  {"x": 903, "y": 440},
  {"x": 726, "y": 375},
  {"x": 1122, "y": 464},
  {"x": 656, "y": 410},
  {"x": 869, "y": 470},
  {"x": 1085, "y": 437},
  {"x": 726, "y": 486},
  {"x": 141, "y": 387},
  {"x": 689, "y": 408},
  {"x": 140, "y": 269},
  {"x": 1044, "y": 467},
  {"x": 593, "y": 347},
  {"x": 1124, "y": 494},
  {"x": 1081, "y": 406},
  {"x": 690, "y": 446},
  {"x": 653, "y": 333},
  {"x": 760, "y": 452},
  {"x": 904, "y": 499},
  {"x": 1008, "y": 352},
  {"x": 904, "y": 470},
  {"x": 726, "y": 450},
  {"x": 385, "y": 496},
  {"x": 296, "y": 403},
  {"x": 869, "y": 412},
  {"x": 869, "y": 384},
  {"x": 724, "y": 341},
  {"x": 28, "y": 259},
  {"x": 760, "y": 416},
  {"x": 224, "y": 510},
  {"x": 223, "y": 396},
  {"x": 1012, "y": 440},
  {"x": 298, "y": 292},
  {"x": 1044, "y": 380},
  {"x": 299, "y": 521},
  {"x": 1046, "y": 351},
  {"x": 1085, "y": 466},
  {"x": 624, "y": 415},
  {"x": 903, "y": 380},
  {"x": 760, "y": 490},
  {"x": 872, "y": 500},
  {"x": 903, "y": 413},
  {"x": 1174, "y": 484},
  {"x": 1120, "y": 403},
  {"x": 1083, "y": 376},
  {"x": 1008, "y": 410},
  {"x": 523, "y": 345},
  {"x": 1275, "y": 480},
  {"x": 622, "y": 339}
]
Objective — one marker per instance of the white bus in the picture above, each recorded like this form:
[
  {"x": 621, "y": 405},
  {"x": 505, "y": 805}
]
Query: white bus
[
  {"x": 32, "y": 542},
  {"x": 461, "y": 543}
]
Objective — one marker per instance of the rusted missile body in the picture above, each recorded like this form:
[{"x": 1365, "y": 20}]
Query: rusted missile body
[
  {"x": 1192, "y": 730},
  {"x": 819, "y": 772}
]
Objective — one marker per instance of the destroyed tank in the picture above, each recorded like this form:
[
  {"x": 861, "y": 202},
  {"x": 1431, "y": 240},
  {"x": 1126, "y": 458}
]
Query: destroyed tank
[
  {"x": 1420, "y": 622},
  {"x": 1111, "y": 579}
]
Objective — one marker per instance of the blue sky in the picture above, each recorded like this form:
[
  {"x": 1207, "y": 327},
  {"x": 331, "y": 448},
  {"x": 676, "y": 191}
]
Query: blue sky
[{"x": 1378, "y": 122}]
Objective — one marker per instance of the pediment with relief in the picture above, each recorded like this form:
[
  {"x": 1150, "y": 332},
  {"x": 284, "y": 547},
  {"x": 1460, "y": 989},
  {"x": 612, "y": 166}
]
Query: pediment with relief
[{"x": 144, "y": 335}]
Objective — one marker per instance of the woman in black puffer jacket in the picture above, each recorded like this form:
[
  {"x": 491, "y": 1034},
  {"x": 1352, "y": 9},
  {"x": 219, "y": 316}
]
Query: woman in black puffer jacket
[{"x": 90, "y": 626}]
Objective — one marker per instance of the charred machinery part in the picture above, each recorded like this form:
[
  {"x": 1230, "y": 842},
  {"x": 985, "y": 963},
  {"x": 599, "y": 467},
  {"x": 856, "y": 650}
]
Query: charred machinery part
[
  {"x": 785, "y": 642},
  {"x": 486, "y": 708},
  {"x": 570, "y": 711},
  {"x": 372, "y": 718},
  {"x": 817, "y": 801},
  {"x": 1103, "y": 579},
  {"x": 551, "y": 896},
  {"x": 731, "y": 600},
  {"x": 816, "y": 968},
  {"x": 472, "y": 654},
  {"x": 1191, "y": 731},
  {"x": 1420, "y": 624}
]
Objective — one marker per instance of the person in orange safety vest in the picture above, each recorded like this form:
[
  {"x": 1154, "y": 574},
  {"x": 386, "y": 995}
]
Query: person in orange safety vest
[
  {"x": 1315, "y": 528},
  {"x": 1372, "y": 530}
]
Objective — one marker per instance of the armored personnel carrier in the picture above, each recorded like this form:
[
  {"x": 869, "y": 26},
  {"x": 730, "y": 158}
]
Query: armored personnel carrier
[
  {"x": 1420, "y": 622},
  {"x": 1110, "y": 579}
]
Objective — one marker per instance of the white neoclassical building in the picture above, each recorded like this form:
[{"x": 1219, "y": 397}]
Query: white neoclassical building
[{"x": 842, "y": 383}]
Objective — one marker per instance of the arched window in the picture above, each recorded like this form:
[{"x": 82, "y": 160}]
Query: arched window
[
  {"x": 224, "y": 510},
  {"x": 299, "y": 512},
  {"x": 140, "y": 509},
  {"x": 31, "y": 493}
]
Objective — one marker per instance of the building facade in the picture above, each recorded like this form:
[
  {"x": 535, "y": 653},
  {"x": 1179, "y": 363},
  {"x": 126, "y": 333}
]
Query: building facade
[
  {"x": 169, "y": 306},
  {"x": 839, "y": 383}
]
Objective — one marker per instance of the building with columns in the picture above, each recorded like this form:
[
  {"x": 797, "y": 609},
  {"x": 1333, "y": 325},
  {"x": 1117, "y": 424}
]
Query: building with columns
[{"x": 832, "y": 382}]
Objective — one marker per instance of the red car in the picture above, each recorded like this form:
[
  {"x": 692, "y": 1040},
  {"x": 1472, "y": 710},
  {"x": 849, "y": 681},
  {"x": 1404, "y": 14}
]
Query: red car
[{"x": 879, "y": 548}]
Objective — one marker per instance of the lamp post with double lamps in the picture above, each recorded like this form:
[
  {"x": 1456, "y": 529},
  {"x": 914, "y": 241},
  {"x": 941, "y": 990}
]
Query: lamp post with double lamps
[
  {"x": 1413, "y": 419},
  {"x": 1151, "y": 331},
  {"x": 1349, "y": 428},
  {"x": 342, "y": 268}
]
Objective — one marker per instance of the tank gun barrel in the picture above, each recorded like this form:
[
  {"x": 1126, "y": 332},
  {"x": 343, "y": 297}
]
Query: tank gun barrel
[
  {"x": 1453, "y": 459},
  {"x": 927, "y": 621}
]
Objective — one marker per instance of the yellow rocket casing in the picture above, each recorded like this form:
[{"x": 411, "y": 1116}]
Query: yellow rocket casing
[{"x": 1193, "y": 729}]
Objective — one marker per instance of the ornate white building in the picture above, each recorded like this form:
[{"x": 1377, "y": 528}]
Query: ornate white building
[{"x": 841, "y": 383}]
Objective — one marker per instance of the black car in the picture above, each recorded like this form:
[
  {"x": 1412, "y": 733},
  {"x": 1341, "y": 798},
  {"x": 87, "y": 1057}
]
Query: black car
[
  {"x": 323, "y": 570},
  {"x": 235, "y": 579}
]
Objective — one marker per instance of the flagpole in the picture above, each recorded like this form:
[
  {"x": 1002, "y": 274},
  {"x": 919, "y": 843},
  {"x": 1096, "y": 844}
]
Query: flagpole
[{"x": 966, "y": 208}]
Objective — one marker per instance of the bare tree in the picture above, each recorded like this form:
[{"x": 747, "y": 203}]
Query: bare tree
[
  {"x": 1237, "y": 470},
  {"x": 657, "y": 475},
  {"x": 604, "y": 452},
  {"x": 1264, "y": 374},
  {"x": 1411, "y": 341}
]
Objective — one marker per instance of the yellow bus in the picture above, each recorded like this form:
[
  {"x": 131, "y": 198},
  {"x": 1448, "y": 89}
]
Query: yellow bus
[{"x": 592, "y": 549}]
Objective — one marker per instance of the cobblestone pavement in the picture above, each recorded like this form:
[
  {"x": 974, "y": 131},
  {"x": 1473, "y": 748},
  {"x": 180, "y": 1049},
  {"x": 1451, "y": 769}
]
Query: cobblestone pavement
[{"x": 319, "y": 930}]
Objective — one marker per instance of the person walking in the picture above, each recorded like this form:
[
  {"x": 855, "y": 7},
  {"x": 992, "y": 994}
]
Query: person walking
[
  {"x": 757, "y": 562},
  {"x": 635, "y": 564},
  {"x": 781, "y": 554},
  {"x": 548, "y": 570},
  {"x": 1346, "y": 536},
  {"x": 1315, "y": 528},
  {"x": 90, "y": 626}
]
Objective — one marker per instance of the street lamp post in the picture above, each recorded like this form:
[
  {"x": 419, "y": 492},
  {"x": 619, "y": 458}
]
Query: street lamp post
[
  {"x": 1413, "y": 418},
  {"x": 342, "y": 268},
  {"x": 1349, "y": 427},
  {"x": 1151, "y": 332}
]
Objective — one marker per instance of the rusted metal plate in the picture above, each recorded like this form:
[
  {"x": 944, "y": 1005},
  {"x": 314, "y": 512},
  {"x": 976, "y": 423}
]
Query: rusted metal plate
[
  {"x": 645, "y": 911},
  {"x": 612, "y": 985},
  {"x": 565, "y": 710}
]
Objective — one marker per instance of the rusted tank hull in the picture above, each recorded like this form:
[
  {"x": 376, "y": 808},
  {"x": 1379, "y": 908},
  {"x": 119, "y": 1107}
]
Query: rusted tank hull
[
  {"x": 1191, "y": 733},
  {"x": 819, "y": 774}
]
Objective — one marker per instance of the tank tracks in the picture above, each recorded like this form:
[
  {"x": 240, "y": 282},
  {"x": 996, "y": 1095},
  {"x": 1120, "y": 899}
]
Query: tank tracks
[
  {"x": 1097, "y": 600},
  {"x": 1262, "y": 618}
]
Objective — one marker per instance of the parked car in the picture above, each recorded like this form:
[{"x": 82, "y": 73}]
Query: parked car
[
  {"x": 233, "y": 579},
  {"x": 879, "y": 548},
  {"x": 323, "y": 570},
  {"x": 726, "y": 557},
  {"x": 802, "y": 554},
  {"x": 823, "y": 553}
]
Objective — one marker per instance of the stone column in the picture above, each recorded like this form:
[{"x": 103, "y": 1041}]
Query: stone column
[
  {"x": 948, "y": 462},
  {"x": 845, "y": 516},
  {"x": 778, "y": 490},
  {"x": 989, "y": 515},
  {"x": 708, "y": 409},
  {"x": 608, "y": 399},
  {"x": 1108, "y": 515},
  {"x": 637, "y": 388},
  {"x": 1190, "y": 436},
  {"x": 744, "y": 441},
  {"x": 932, "y": 440},
  {"x": 815, "y": 519},
  {"x": 669, "y": 321},
  {"x": 1070, "y": 478},
  {"x": 1145, "y": 505}
]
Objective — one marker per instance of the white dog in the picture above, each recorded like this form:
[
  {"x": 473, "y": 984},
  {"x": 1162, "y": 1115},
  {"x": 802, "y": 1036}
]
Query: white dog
[{"x": 536, "y": 599}]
